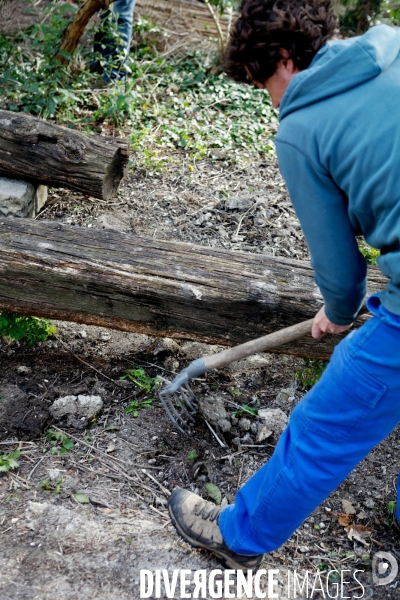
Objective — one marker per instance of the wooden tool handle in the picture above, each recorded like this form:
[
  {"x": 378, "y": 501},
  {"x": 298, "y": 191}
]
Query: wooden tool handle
[{"x": 266, "y": 342}]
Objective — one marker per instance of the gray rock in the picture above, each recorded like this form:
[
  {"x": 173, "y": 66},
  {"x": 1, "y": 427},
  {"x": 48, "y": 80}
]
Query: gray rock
[
  {"x": 167, "y": 345},
  {"x": 285, "y": 395},
  {"x": 239, "y": 203},
  {"x": 245, "y": 424},
  {"x": 213, "y": 409},
  {"x": 224, "y": 425},
  {"x": 20, "y": 198},
  {"x": 112, "y": 221},
  {"x": 81, "y": 407},
  {"x": 263, "y": 434},
  {"x": 254, "y": 427},
  {"x": 247, "y": 439},
  {"x": 236, "y": 441},
  {"x": 369, "y": 503},
  {"x": 234, "y": 420},
  {"x": 274, "y": 418},
  {"x": 24, "y": 370}
]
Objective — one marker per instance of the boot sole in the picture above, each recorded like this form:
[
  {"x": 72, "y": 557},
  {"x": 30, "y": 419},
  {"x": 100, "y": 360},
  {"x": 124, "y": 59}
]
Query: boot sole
[{"x": 227, "y": 560}]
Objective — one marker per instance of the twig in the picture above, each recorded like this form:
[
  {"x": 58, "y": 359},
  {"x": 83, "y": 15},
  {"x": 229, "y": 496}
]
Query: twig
[
  {"x": 376, "y": 542},
  {"x": 85, "y": 363},
  {"x": 240, "y": 475},
  {"x": 233, "y": 454},
  {"x": 257, "y": 445},
  {"x": 214, "y": 434},
  {"x": 162, "y": 488},
  {"x": 163, "y": 515},
  {"x": 18, "y": 479},
  {"x": 219, "y": 30},
  {"x": 360, "y": 587},
  {"x": 11, "y": 443},
  {"x": 88, "y": 445},
  {"x": 116, "y": 467},
  {"x": 36, "y": 466}
]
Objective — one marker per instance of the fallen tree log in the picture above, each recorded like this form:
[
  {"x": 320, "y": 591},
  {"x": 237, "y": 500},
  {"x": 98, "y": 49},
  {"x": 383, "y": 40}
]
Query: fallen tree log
[
  {"x": 161, "y": 288},
  {"x": 44, "y": 153}
]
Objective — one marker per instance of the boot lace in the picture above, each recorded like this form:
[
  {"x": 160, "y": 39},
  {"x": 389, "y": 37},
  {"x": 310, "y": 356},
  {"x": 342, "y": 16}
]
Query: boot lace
[{"x": 208, "y": 511}]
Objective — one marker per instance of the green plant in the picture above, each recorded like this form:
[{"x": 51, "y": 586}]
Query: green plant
[
  {"x": 17, "y": 327},
  {"x": 169, "y": 103},
  {"x": 391, "y": 507},
  {"x": 61, "y": 444},
  {"x": 245, "y": 410},
  {"x": 311, "y": 373},
  {"x": 9, "y": 461},
  {"x": 192, "y": 455},
  {"x": 371, "y": 254},
  {"x": 145, "y": 384},
  {"x": 135, "y": 405},
  {"x": 334, "y": 576},
  {"x": 34, "y": 80},
  {"x": 48, "y": 487},
  {"x": 214, "y": 492},
  {"x": 143, "y": 381}
]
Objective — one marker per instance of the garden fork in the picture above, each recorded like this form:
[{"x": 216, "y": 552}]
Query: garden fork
[{"x": 178, "y": 394}]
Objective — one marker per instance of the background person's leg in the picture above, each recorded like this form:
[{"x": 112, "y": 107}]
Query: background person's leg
[
  {"x": 124, "y": 9},
  {"x": 115, "y": 50},
  {"x": 352, "y": 408}
]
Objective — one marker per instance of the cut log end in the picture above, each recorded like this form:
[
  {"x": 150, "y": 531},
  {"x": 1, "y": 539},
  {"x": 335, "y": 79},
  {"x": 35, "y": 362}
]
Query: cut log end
[{"x": 116, "y": 171}]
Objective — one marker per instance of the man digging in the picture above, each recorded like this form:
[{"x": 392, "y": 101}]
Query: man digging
[{"x": 338, "y": 148}]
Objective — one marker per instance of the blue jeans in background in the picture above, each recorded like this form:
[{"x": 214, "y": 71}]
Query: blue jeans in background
[
  {"x": 352, "y": 408},
  {"x": 115, "y": 52}
]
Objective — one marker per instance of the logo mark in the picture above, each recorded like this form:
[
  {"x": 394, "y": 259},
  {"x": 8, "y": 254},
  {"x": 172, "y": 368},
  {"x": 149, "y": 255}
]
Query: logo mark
[{"x": 384, "y": 568}]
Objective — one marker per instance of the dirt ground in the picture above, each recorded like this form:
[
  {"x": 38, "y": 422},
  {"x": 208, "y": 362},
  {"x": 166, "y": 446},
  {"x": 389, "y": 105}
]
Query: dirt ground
[{"x": 83, "y": 521}]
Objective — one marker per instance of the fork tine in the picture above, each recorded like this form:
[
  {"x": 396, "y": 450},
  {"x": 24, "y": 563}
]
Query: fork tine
[
  {"x": 187, "y": 396},
  {"x": 182, "y": 406},
  {"x": 193, "y": 396},
  {"x": 166, "y": 402},
  {"x": 179, "y": 391}
]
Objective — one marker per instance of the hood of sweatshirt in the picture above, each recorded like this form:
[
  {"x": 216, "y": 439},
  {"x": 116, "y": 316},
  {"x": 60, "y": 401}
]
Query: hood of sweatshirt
[{"x": 342, "y": 65}]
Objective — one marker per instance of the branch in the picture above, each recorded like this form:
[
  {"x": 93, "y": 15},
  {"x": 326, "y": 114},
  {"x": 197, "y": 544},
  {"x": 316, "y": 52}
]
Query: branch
[
  {"x": 221, "y": 42},
  {"x": 73, "y": 33}
]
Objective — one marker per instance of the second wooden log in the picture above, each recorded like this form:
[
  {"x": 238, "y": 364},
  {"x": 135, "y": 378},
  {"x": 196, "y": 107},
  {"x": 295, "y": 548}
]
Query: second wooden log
[{"x": 44, "y": 153}]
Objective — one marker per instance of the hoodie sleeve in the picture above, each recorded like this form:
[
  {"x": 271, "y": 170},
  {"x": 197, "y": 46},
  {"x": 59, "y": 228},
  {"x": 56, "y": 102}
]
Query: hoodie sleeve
[{"x": 340, "y": 269}]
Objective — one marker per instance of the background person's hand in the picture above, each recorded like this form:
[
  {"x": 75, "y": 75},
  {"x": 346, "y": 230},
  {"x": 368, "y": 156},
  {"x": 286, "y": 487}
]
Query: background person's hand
[{"x": 322, "y": 325}]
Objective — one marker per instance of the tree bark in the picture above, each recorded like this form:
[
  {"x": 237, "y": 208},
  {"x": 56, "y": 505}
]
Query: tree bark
[
  {"x": 74, "y": 31},
  {"x": 160, "y": 288},
  {"x": 41, "y": 152}
]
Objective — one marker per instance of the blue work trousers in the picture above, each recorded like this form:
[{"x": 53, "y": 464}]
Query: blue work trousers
[
  {"x": 353, "y": 407},
  {"x": 116, "y": 50}
]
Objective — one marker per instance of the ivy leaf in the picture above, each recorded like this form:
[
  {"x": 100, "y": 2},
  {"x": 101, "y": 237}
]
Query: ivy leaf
[
  {"x": 81, "y": 497},
  {"x": 214, "y": 492},
  {"x": 68, "y": 444}
]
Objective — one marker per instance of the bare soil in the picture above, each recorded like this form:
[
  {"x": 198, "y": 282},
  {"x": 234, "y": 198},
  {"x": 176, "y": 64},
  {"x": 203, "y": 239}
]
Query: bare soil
[{"x": 127, "y": 466}]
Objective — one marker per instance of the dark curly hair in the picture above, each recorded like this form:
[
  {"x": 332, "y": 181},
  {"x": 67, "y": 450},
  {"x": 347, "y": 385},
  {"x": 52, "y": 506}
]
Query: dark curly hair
[{"x": 301, "y": 27}]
